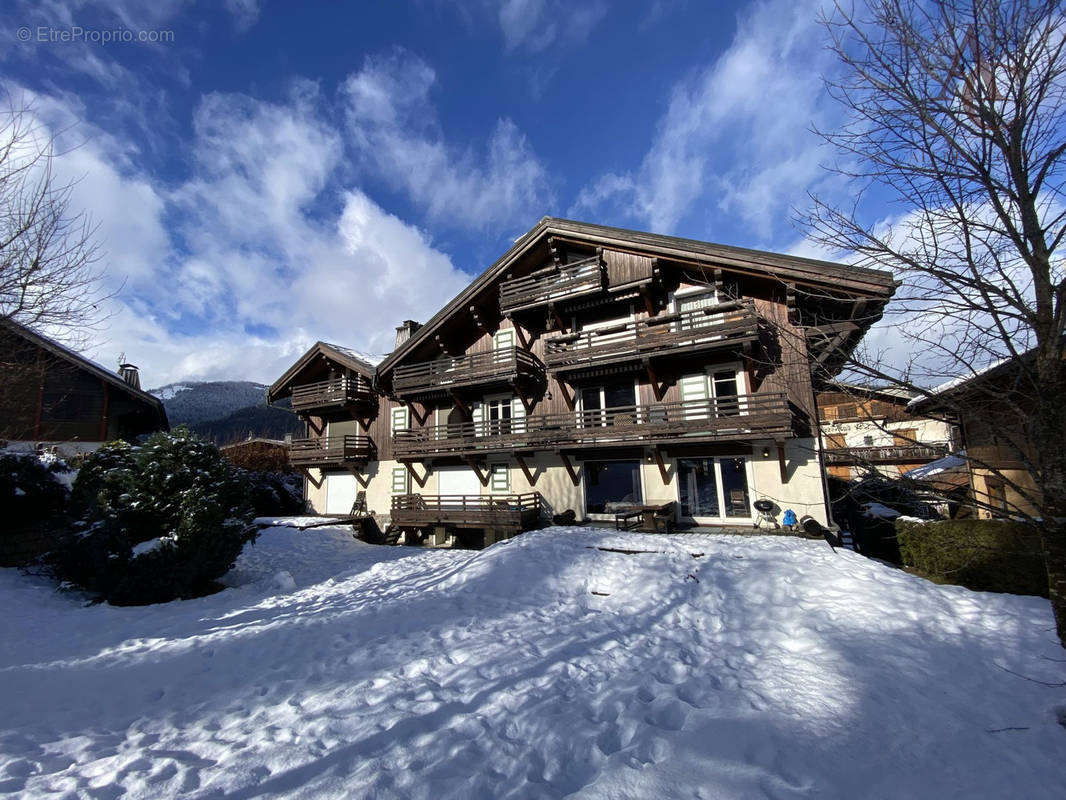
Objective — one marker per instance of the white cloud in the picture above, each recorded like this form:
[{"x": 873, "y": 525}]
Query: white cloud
[
  {"x": 394, "y": 129},
  {"x": 237, "y": 270},
  {"x": 734, "y": 139}
]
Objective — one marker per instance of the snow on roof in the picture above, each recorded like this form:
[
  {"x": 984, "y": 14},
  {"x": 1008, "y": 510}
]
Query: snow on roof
[{"x": 371, "y": 359}]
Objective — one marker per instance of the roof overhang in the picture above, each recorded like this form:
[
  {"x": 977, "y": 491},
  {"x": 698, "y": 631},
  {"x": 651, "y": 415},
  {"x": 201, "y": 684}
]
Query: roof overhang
[
  {"x": 282, "y": 386},
  {"x": 877, "y": 285}
]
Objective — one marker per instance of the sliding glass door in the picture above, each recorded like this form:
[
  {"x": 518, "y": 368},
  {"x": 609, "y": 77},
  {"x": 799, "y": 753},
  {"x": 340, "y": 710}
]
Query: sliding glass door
[{"x": 714, "y": 489}]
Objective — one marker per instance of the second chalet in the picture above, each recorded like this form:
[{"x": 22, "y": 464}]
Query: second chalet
[{"x": 624, "y": 376}]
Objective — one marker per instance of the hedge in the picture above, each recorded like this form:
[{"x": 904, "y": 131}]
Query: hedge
[{"x": 985, "y": 555}]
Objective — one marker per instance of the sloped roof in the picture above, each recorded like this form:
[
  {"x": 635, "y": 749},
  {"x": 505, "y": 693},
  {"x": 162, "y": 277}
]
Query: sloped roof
[
  {"x": 81, "y": 362},
  {"x": 346, "y": 357},
  {"x": 877, "y": 283}
]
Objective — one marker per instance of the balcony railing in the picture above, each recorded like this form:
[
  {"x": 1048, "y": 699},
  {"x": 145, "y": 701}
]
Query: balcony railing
[
  {"x": 553, "y": 284},
  {"x": 477, "y": 368},
  {"x": 721, "y": 325},
  {"x": 513, "y": 511},
  {"x": 885, "y": 454},
  {"x": 738, "y": 418},
  {"x": 330, "y": 394},
  {"x": 332, "y": 451}
]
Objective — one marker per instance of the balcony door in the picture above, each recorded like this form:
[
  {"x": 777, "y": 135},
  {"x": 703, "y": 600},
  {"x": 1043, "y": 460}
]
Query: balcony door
[
  {"x": 600, "y": 404},
  {"x": 714, "y": 490},
  {"x": 499, "y": 415},
  {"x": 717, "y": 392}
]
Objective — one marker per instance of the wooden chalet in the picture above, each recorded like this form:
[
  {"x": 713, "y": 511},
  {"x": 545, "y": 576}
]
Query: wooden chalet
[
  {"x": 52, "y": 396},
  {"x": 600, "y": 370},
  {"x": 867, "y": 429}
]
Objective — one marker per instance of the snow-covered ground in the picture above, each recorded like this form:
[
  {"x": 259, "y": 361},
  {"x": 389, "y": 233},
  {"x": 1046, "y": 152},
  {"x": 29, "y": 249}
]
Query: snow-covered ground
[{"x": 712, "y": 666}]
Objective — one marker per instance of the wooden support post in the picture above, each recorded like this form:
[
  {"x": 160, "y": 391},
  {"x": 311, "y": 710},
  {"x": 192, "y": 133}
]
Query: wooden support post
[
  {"x": 419, "y": 418},
  {"x": 554, "y": 251},
  {"x": 567, "y": 397},
  {"x": 460, "y": 403},
  {"x": 554, "y": 312},
  {"x": 781, "y": 462},
  {"x": 657, "y": 454},
  {"x": 363, "y": 481},
  {"x": 527, "y": 403},
  {"x": 531, "y": 476},
  {"x": 307, "y": 474},
  {"x": 414, "y": 474},
  {"x": 318, "y": 428},
  {"x": 569, "y": 468},
  {"x": 649, "y": 305},
  {"x": 481, "y": 476},
  {"x": 655, "y": 387}
]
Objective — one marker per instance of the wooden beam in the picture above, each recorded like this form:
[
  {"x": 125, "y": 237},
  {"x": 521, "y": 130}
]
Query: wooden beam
[
  {"x": 658, "y": 390},
  {"x": 440, "y": 343},
  {"x": 419, "y": 418},
  {"x": 460, "y": 403},
  {"x": 531, "y": 477},
  {"x": 781, "y": 462},
  {"x": 481, "y": 476},
  {"x": 477, "y": 317},
  {"x": 554, "y": 251},
  {"x": 554, "y": 312},
  {"x": 567, "y": 397},
  {"x": 319, "y": 429},
  {"x": 845, "y": 326},
  {"x": 790, "y": 302},
  {"x": 414, "y": 474},
  {"x": 664, "y": 472},
  {"x": 307, "y": 474},
  {"x": 528, "y": 404},
  {"x": 649, "y": 305},
  {"x": 569, "y": 469},
  {"x": 359, "y": 478}
]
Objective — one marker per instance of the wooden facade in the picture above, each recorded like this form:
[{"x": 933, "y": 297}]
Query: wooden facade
[
  {"x": 50, "y": 394},
  {"x": 585, "y": 346}
]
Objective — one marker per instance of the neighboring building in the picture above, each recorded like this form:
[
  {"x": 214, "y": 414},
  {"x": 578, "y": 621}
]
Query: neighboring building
[
  {"x": 990, "y": 409},
  {"x": 53, "y": 397},
  {"x": 868, "y": 429},
  {"x": 591, "y": 369}
]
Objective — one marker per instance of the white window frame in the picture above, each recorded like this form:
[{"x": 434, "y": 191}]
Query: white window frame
[
  {"x": 580, "y": 401},
  {"x": 404, "y": 480},
  {"x": 749, "y": 475},
  {"x": 496, "y": 470}
]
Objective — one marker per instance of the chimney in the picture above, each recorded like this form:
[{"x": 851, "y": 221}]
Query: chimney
[
  {"x": 130, "y": 374},
  {"x": 405, "y": 332}
]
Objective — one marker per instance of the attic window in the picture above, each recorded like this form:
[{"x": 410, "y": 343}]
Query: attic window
[{"x": 847, "y": 411}]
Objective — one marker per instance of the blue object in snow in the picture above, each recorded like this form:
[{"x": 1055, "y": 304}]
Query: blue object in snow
[{"x": 789, "y": 518}]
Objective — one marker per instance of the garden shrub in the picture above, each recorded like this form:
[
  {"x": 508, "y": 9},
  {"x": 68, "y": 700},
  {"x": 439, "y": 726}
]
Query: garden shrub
[
  {"x": 276, "y": 494},
  {"x": 33, "y": 503},
  {"x": 175, "y": 488},
  {"x": 984, "y": 555}
]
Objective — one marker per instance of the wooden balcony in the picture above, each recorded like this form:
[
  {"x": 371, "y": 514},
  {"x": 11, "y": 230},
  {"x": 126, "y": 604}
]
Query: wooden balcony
[
  {"x": 885, "y": 454},
  {"x": 515, "y": 512},
  {"x": 723, "y": 325},
  {"x": 333, "y": 394},
  {"x": 554, "y": 284},
  {"x": 477, "y": 369},
  {"x": 333, "y": 451},
  {"x": 759, "y": 416}
]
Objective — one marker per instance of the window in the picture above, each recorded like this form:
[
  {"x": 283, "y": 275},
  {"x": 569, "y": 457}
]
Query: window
[
  {"x": 400, "y": 480},
  {"x": 608, "y": 405},
  {"x": 499, "y": 416},
  {"x": 718, "y": 392},
  {"x": 501, "y": 478},
  {"x": 611, "y": 486},
  {"x": 997, "y": 498},
  {"x": 715, "y": 488},
  {"x": 399, "y": 419},
  {"x": 847, "y": 411}
]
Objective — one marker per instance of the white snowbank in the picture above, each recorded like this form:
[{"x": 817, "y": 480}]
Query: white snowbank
[
  {"x": 546, "y": 666},
  {"x": 879, "y": 510}
]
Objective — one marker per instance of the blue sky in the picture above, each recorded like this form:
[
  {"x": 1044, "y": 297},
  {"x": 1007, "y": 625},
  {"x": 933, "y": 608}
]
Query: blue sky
[{"x": 277, "y": 173}]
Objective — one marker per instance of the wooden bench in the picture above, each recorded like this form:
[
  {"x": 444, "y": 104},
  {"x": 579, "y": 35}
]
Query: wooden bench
[{"x": 657, "y": 518}]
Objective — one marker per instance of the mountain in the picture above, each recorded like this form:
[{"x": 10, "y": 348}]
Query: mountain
[{"x": 227, "y": 411}]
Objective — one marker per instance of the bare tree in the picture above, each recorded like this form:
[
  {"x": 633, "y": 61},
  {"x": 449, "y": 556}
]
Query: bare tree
[
  {"x": 957, "y": 113},
  {"x": 48, "y": 258}
]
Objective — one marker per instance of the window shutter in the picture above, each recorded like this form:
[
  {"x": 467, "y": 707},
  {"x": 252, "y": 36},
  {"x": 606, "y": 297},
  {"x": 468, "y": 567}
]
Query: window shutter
[
  {"x": 501, "y": 478},
  {"x": 399, "y": 480},
  {"x": 399, "y": 419}
]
